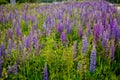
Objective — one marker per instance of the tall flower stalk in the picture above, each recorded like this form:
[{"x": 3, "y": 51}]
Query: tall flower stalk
[{"x": 93, "y": 59}]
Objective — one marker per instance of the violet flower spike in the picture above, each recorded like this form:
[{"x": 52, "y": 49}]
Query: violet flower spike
[
  {"x": 84, "y": 44},
  {"x": 1, "y": 63},
  {"x": 63, "y": 37},
  {"x": 45, "y": 72},
  {"x": 93, "y": 60}
]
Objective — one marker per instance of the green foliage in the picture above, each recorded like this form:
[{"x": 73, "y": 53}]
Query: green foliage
[{"x": 3, "y": 2}]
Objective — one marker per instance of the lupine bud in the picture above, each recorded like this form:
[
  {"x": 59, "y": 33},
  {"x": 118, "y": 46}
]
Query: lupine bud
[
  {"x": 18, "y": 31},
  {"x": 96, "y": 32},
  {"x": 112, "y": 50},
  {"x": 45, "y": 72},
  {"x": 35, "y": 42},
  {"x": 105, "y": 38},
  {"x": 68, "y": 27},
  {"x": 93, "y": 60},
  {"x": 27, "y": 42},
  {"x": 63, "y": 37},
  {"x": 84, "y": 44},
  {"x": 2, "y": 50},
  {"x": 1, "y": 63}
]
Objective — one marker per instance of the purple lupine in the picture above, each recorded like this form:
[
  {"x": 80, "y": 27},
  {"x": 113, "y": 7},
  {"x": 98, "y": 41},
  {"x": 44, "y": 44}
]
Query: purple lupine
[
  {"x": 80, "y": 32},
  {"x": 18, "y": 31},
  {"x": 101, "y": 30},
  {"x": 93, "y": 60},
  {"x": 9, "y": 46},
  {"x": 112, "y": 50},
  {"x": 84, "y": 44},
  {"x": 2, "y": 50},
  {"x": 63, "y": 37},
  {"x": 105, "y": 38},
  {"x": 60, "y": 28},
  {"x": 96, "y": 32},
  {"x": 35, "y": 42},
  {"x": 27, "y": 42},
  {"x": 68, "y": 28},
  {"x": 45, "y": 72},
  {"x": 1, "y": 64}
]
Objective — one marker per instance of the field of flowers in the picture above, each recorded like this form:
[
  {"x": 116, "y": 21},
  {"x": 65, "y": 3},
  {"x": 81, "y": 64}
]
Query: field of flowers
[{"x": 60, "y": 41}]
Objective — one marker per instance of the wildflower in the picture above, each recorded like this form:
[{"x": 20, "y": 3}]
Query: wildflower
[
  {"x": 1, "y": 63},
  {"x": 84, "y": 44},
  {"x": 2, "y": 50},
  {"x": 18, "y": 31},
  {"x": 45, "y": 72},
  {"x": 63, "y": 37},
  {"x": 96, "y": 32},
  {"x": 68, "y": 27},
  {"x": 35, "y": 42},
  {"x": 112, "y": 50},
  {"x": 93, "y": 60},
  {"x": 27, "y": 42},
  {"x": 60, "y": 27}
]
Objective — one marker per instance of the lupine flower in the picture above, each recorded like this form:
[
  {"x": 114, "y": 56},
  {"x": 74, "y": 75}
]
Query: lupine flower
[
  {"x": 105, "y": 38},
  {"x": 68, "y": 27},
  {"x": 93, "y": 60},
  {"x": 35, "y": 42},
  {"x": 27, "y": 42},
  {"x": 112, "y": 50},
  {"x": 45, "y": 72},
  {"x": 101, "y": 30},
  {"x": 1, "y": 64},
  {"x": 63, "y": 37},
  {"x": 18, "y": 31},
  {"x": 2, "y": 50},
  {"x": 84, "y": 44},
  {"x": 75, "y": 49},
  {"x": 96, "y": 32},
  {"x": 60, "y": 27}
]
